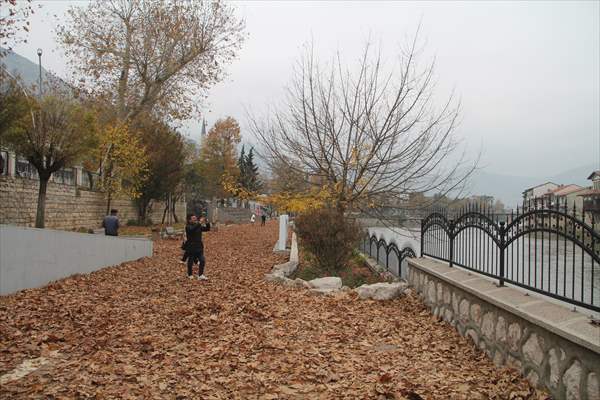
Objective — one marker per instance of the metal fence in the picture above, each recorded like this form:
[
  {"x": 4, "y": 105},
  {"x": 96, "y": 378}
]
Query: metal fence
[
  {"x": 546, "y": 250},
  {"x": 387, "y": 255}
]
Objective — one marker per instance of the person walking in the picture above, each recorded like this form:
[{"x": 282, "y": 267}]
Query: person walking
[
  {"x": 110, "y": 223},
  {"x": 194, "y": 247},
  {"x": 263, "y": 220}
]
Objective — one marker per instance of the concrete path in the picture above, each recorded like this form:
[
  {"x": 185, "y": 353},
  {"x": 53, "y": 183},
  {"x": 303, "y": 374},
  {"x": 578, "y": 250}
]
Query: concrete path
[{"x": 143, "y": 330}]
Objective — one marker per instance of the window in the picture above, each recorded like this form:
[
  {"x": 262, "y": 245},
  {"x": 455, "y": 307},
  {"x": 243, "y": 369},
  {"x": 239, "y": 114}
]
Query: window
[
  {"x": 3, "y": 163},
  {"x": 24, "y": 169},
  {"x": 85, "y": 180},
  {"x": 89, "y": 179},
  {"x": 66, "y": 176}
]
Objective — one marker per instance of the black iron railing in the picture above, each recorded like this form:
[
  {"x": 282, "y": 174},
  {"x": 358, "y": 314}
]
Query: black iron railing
[
  {"x": 546, "y": 250},
  {"x": 387, "y": 255}
]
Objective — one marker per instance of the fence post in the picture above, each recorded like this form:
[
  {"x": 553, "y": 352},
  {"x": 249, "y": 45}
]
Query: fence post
[
  {"x": 451, "y": 239},
  {"x": 422, "y": 240},
  {"x": 501, "y": 249},
  {"x": 387, "y": 258}
]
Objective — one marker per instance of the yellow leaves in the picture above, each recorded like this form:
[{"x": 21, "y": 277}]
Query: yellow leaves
[
  {"x": 303, "y": 202},
  {"x": 218, "y": 157},
  {"x": 333, "y": 195},
  {"x": 232, "y": 187},
  {"x": 123, "y": 161}
]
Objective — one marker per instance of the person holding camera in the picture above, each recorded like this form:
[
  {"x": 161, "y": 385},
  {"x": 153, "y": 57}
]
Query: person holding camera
[{"x": 194, "y": 247}]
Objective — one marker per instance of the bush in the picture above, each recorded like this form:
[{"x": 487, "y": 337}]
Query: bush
[
  {"x": 135, "y": 222},
  {"x": 328, "y": 236}
]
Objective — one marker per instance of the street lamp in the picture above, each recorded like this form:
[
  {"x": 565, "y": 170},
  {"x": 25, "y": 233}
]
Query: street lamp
[{"x": 39, "y": 53}]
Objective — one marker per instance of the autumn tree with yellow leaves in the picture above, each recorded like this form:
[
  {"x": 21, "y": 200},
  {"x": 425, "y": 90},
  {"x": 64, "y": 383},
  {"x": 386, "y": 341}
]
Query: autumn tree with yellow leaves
[
  {"x": 121, "y": 160},
  {"x": 218, "y": 158}
]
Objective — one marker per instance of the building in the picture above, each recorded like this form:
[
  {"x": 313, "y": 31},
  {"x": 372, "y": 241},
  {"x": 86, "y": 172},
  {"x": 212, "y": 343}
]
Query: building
[
  {"x": 203, "y": 131},
  {"x": 591, "y": 197},
  {"x": 536, "y": 194},
  {"x": 483, "y": 202},
  {"x": 563, "y": 197}
]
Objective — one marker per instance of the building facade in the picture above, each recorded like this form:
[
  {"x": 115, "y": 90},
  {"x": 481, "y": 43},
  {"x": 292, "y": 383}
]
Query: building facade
[{"x": 591, "y": 198}]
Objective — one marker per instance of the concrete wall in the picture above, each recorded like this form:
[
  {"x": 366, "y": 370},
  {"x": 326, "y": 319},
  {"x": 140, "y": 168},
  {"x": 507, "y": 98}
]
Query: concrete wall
[
  {"x": 552, "y": 346},
  {"x": 67, "y": 206},
  {"x": 34, "y": 257}
]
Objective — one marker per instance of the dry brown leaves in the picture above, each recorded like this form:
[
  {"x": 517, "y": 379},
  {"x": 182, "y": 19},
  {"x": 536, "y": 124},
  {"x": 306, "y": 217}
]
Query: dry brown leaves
[{"x": 143, "y": 330}]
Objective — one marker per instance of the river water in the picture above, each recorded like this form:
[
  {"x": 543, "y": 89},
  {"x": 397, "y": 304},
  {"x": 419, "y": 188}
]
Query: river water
[{"x": 547, "y": 263}]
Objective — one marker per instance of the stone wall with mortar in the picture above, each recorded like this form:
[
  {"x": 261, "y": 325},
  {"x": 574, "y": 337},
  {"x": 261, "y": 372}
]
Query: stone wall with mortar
[
  {"x": 233, "y": 215},
  {"x": 67, "y": 206},
  {"x": 566, "y": 369}
]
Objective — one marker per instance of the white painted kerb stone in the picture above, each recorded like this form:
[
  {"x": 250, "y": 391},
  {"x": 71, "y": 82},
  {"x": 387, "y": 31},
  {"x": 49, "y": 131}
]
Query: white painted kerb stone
[{"x": 283, "y": 223}]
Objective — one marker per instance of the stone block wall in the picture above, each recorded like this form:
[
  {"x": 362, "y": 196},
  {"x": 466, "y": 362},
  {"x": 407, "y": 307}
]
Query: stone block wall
[
  {"x": 234, "y": 215},
  {"x": 67, "y": 206},
  {"x": 566, "y": 369}
]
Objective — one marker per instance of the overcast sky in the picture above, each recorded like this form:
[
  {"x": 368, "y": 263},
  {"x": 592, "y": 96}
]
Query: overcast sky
[{"x": 527, "y": 73}]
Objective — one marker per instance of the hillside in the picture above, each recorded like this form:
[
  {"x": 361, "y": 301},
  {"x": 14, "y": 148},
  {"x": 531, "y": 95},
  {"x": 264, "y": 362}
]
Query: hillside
[
  {"x": 28, "y": 72},
  {"x": 509, "y": 189}
]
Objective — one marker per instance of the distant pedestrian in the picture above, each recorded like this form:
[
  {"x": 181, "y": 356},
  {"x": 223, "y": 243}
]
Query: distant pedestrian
[
  {"x": 111, "y": 223},
  {"x": 253, "y": 218},
  {"x": 194, "y": 247},
  {"x": 263, "y": 220}
]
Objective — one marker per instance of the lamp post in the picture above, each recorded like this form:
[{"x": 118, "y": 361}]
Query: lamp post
[{"x": 39, "y": 53}]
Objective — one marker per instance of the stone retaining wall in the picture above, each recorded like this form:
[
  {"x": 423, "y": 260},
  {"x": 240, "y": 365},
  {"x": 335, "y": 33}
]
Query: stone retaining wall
[
  {"x": 234, "y": 215},
  {"x": 566, "y": 369},
  {"x": 67, "y": 206}
]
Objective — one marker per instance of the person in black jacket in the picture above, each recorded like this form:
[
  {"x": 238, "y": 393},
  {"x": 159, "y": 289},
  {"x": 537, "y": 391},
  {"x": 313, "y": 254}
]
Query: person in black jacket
[{"x": 194, "y": 248}]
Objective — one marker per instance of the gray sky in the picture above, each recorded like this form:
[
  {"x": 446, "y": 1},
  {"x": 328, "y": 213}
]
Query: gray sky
[{"x": 527, "y": 73}]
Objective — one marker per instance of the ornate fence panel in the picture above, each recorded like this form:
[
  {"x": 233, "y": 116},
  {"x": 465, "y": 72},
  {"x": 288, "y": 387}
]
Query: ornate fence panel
[
  {"x": 387, "y": 255},
  {"x": 547, "y": 250}
]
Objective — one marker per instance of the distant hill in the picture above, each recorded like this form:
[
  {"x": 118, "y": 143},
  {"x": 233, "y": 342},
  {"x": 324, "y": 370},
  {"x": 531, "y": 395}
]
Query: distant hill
[
  {"x": 509, "y": 189},
  {"x": 28, "y": 72},
  {"x": 577, "y": 176}
]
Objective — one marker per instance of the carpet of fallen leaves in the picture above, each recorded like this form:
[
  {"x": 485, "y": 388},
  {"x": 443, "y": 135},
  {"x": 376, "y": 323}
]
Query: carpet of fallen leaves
[{"x": 143, "y": 330}]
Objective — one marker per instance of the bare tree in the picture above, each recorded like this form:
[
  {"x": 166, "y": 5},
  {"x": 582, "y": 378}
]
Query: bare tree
[
  {"x": 151, "y": 55},
  {"x": 373, "y": 136},
  {"x": 14, "y": 18}
]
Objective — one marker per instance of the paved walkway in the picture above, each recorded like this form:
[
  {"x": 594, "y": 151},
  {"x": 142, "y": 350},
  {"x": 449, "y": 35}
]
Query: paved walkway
[{"x": 142, "y": 330}]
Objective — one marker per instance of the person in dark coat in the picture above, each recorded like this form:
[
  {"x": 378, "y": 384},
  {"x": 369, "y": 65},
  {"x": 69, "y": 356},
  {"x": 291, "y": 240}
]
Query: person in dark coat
[
  {"x": 110, "y": 223},
  {"x": 194, "y": 248}
]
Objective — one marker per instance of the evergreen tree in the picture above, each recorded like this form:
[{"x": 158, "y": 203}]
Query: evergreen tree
[
  {"x": 250, "y": 171},
  {"x": 242, "y": 178}
]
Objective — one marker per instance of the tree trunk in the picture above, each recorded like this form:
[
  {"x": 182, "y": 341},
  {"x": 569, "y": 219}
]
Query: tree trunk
[
  {"x": 124, "y": 78},
  {"x": 143, "y": 210},
  {"x": 174, "y": 214},
  {"x": 40, "y": 216},
  {"x": 165, "y": 213}
]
